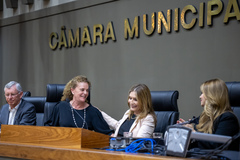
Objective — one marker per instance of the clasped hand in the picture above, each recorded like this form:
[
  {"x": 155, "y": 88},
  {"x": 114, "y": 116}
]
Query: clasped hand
[{"x": 186, "y": 125}]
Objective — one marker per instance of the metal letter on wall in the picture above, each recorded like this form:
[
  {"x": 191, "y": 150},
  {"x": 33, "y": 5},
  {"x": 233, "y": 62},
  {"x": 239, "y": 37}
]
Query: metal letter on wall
[
  {"x": 53, "y": 35},
  {"x": 86, "y": 36},
  {"x": 63, "y": 38},
  {"x": 145, "y": 23},
  {"x": 110, "y": 32},
  {"x": 176, "y": 19},
  {"x": 97, "y": 32},
  {"x": 162, "y": 20},
  {"x": 210, "y": 12},
  {"x": 73, "y": 41},
  {"x": 201, "y": 14},
  {"x": 232, "y": 4},
  {"x": 183, "y": 15},
  {"x": 130, "y": 31}
]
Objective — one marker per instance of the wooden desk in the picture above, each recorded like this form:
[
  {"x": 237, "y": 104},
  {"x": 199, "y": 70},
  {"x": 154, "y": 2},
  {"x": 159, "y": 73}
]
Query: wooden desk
[
  {"x": 53, "y": 143},
  {"x": 24, "y": 151},
  {"x": 62, "y": 137}
]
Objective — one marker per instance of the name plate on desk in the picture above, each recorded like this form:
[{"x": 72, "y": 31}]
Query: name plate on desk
[{"x": 60, "y": 137}]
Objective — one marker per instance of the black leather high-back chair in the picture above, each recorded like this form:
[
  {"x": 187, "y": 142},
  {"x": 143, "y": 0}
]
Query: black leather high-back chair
[
  {"x": 54, "y": 95},
  {"x": 39, "y": 103},
  {"x": 234, "y": 97},
  {"x": 166, "y": 108},
  {"x": 27, "y": 94}
]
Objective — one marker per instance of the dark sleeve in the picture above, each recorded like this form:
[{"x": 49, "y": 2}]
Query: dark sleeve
[
  {"x": 226, "y": 125},
  {"x": 99, "y": 124},
  {"x": 0, "y": 118},
  {"x": 53, "y": 120},
  {"x": 28, "y": 116},
  {"x": 3, "y": 115}
]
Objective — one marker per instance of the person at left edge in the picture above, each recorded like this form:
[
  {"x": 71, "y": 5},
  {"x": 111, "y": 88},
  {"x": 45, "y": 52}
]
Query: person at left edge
[
  {"x": 74, "y": 111},
  {"x": 17, "y": 111}
]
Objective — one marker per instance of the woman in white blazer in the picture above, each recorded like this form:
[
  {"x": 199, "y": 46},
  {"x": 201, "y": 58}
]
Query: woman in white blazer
[{"x": 140, "y": 119}]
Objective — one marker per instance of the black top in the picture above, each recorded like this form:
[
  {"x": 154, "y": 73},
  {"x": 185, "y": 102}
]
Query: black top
[
  {"x": 125, "y": 127},
  {"x": 226, "y": 124},
  {"x": 62, "y": 116}
]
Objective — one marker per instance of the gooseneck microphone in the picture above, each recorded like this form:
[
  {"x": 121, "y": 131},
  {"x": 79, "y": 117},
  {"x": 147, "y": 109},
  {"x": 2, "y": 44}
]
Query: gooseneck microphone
[{"x": 193, "y": 120}]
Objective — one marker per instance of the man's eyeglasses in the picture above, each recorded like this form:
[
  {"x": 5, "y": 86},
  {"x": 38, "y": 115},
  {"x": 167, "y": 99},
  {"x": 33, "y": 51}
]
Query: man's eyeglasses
[{"x": 12, "y": 95}]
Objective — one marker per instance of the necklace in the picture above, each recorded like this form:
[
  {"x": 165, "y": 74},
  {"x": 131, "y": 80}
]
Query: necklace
[
  {"x": 133, "y": 116},
  {"x": 83, "y": 118}
]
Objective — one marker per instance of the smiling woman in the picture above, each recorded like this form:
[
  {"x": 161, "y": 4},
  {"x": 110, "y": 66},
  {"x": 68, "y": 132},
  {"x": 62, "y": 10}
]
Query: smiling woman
[
  {"x": 140, "y": 119},
  {"x": 74, "y": 110}
]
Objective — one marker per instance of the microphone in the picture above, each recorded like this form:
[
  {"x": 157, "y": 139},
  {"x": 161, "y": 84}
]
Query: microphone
[{"x": 193, "y": 120}]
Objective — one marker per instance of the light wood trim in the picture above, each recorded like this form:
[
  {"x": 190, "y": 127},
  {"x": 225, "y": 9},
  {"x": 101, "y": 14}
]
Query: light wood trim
[
  {"x": 35, "y": 152},
  {"x": 63, "y": 137}
]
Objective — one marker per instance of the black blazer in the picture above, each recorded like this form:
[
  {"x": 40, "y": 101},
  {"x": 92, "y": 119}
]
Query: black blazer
[
  {"x": 26, "y": 114},
  {"x": 226, "y": 124}
]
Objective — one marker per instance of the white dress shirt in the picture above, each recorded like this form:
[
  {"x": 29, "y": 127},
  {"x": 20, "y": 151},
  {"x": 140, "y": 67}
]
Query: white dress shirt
[{"x": 12, "y": 113}]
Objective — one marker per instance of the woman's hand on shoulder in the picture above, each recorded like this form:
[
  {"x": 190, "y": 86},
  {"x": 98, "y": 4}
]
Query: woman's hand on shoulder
[{"x": 97, "y": 108}]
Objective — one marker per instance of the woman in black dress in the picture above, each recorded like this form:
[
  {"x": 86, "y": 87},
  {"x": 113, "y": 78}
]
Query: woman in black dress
[{"x": 74, "y": 111}]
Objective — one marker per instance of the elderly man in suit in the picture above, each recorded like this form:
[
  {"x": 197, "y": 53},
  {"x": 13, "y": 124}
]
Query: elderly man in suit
[{"x": 17, "y": 111}]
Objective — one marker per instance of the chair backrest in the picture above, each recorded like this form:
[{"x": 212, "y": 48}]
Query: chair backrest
[
  {"x": 39, "y": 103},
  {"x": 27, "y": 94},
  {"x": 166, "y": 108},
  {"x": 234, "y": 97},
  {"x": 54, "y": 94}
]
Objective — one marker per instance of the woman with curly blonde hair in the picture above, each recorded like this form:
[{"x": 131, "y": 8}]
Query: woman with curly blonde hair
[
  {"x": 217, "y": 116},
  {"x": 75, "y": 111}
]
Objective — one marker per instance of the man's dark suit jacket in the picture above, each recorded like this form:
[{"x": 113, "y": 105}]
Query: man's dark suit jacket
[{"x": 26, "y": 114}]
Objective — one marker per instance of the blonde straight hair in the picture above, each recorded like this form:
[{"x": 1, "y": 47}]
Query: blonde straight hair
[
  {"x": 217, "y": 102},
  {"x": 144, "y": 101}
]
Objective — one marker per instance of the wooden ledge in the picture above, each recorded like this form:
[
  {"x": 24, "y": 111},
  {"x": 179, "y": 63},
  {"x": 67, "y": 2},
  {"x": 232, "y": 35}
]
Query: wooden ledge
[
  {"x": 25, "y": 151},
  {"x": 60, "y": 137}
]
